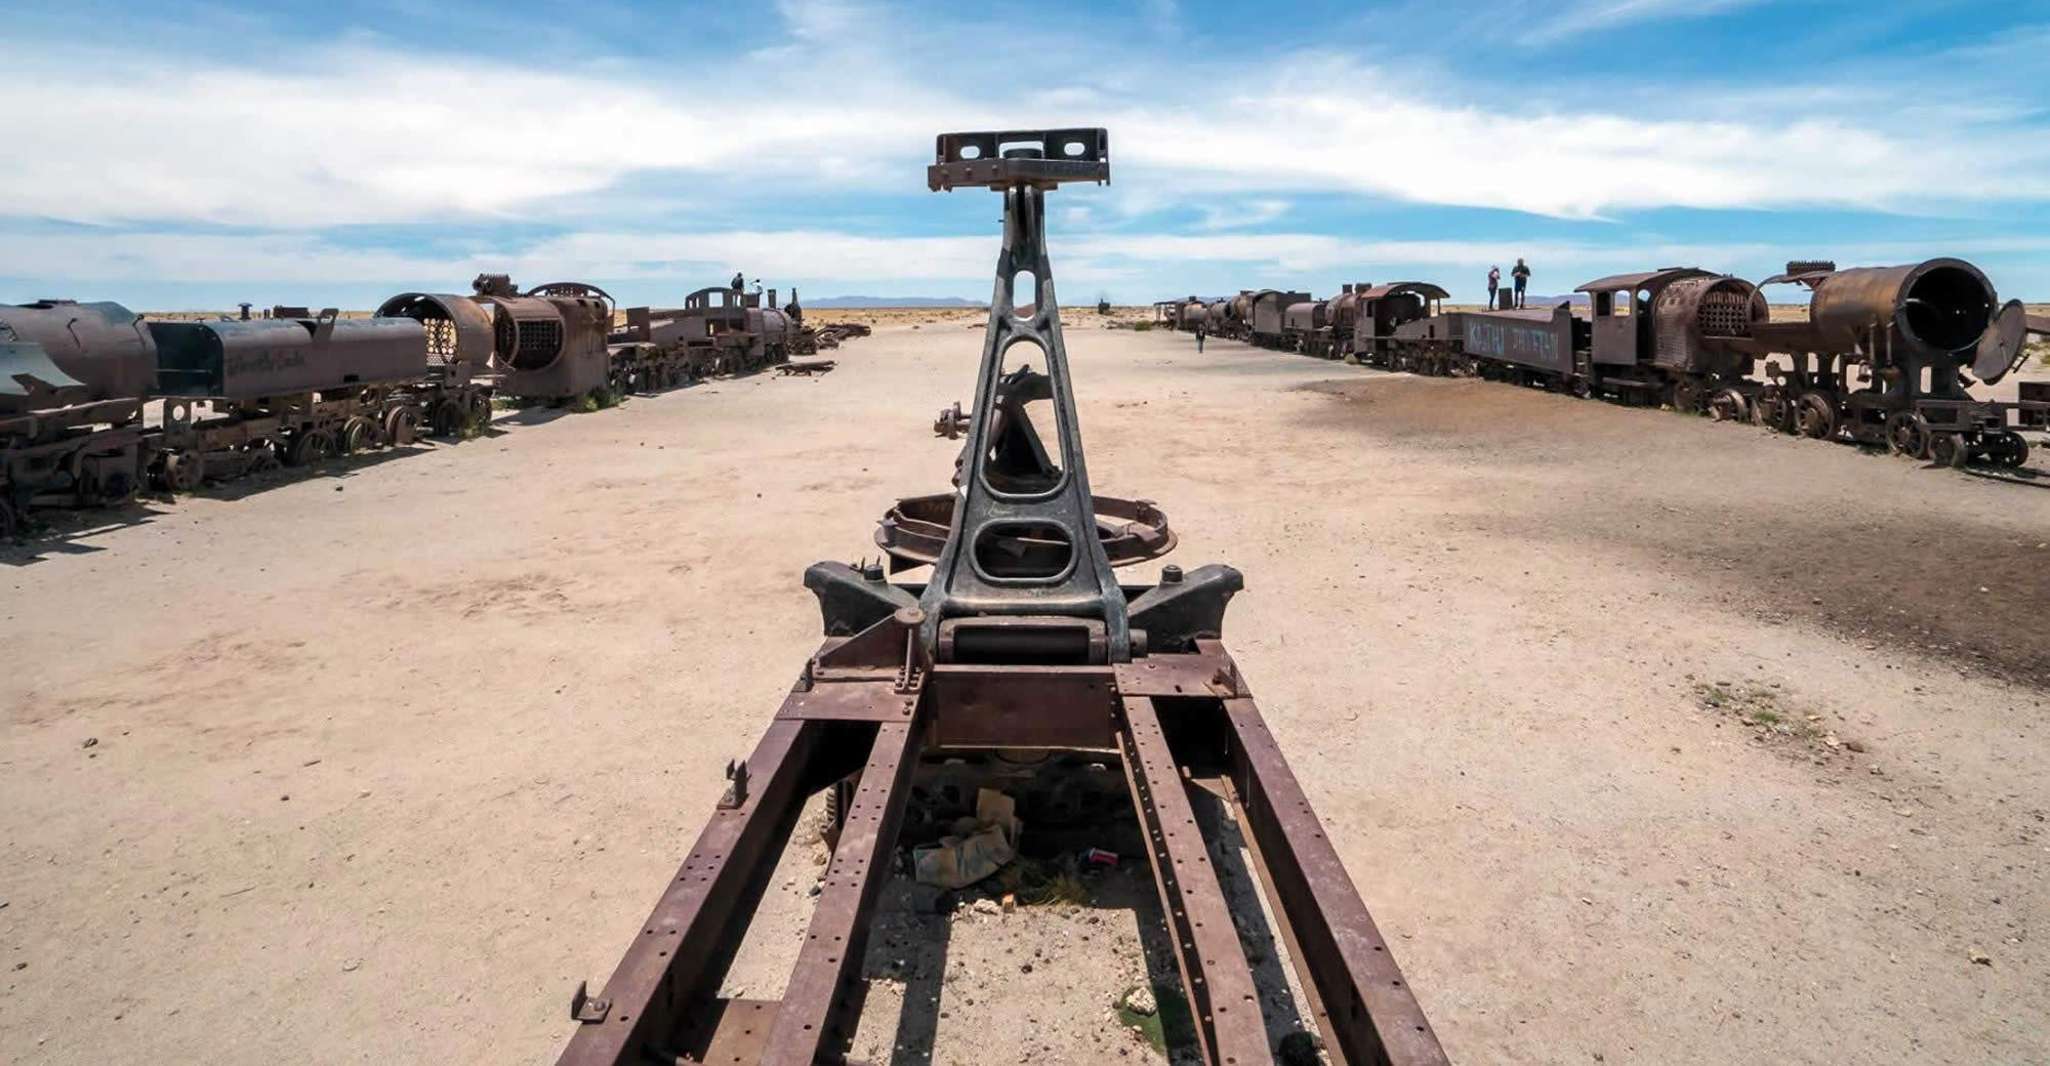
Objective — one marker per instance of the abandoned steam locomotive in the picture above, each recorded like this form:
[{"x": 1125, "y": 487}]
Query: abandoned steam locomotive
[
  {"x": 79, "y": 382},
  {"x": 1886, "y": 355}
]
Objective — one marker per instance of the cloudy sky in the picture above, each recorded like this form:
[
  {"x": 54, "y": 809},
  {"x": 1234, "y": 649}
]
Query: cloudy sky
[{"x": 180, "y": 155}]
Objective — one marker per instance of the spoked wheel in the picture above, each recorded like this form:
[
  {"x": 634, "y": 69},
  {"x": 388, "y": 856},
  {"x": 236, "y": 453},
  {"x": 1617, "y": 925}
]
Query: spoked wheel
[
  {"x": 1728, "y": 405},
  {"x": 1817, "y": 416},
  {"x": 401, "y": 426},
  {"x": 1951, "y": 450},
  {"x": 448, "y": 418},
  {"x": 2007, "y": 449},
  {"x": 1686, "y": 397},
  {"x": 309, "y": 446},
  {"x": 356, "y": 435},
  {"x": 262, "y": 459},
  {"x": 480, "y": 411},
  {"x": 1766, "y": 411},
  {"x": 182, "y": 471},
  {"x": 1907, "y": 433}
]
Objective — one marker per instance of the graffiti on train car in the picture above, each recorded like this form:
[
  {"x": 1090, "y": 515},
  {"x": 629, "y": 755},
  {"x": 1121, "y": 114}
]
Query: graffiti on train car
[{"x": 1515, "y": 341}]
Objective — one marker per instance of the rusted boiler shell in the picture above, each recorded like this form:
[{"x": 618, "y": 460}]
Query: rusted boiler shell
[
  {"x": 771, "y": 326},
  {"x": 1695, "y": 316},
  {"x": 459, "y": 329},
  {"x": 1938, "y": 306},
  {"x": 246, "y": 360},
  {"x": 1194, "y": 313},
  {"x": 97, "y": 351},
  {"x": 1305, "y": 316}
]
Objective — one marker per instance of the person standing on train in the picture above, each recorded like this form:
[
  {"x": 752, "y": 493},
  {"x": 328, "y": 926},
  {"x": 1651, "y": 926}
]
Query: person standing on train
[
  {"x": 1522, "y": 277},
  {"x": 739, "y": 282},
  {"x": 1494, "y": 283}
]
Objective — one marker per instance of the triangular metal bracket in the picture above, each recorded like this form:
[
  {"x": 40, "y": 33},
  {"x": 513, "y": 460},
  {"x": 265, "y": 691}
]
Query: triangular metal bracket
[{"x": 1008, "y": 491}]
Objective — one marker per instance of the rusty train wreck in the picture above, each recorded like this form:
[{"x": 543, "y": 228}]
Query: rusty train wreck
[
  {"x": 293, "y": 387},
  {"x": 1021, "y": 641},
  {"x": 1886, "y": 356}
]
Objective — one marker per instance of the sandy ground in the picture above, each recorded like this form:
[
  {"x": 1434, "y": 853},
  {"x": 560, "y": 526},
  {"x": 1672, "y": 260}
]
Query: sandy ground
[{"x": 1646, "y": 739}]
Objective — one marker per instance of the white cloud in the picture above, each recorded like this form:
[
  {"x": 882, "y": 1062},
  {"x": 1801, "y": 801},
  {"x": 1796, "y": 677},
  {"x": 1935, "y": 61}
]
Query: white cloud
[
  {"x": 1590, "y": 16},
  {"x": 355, "y": 135}
]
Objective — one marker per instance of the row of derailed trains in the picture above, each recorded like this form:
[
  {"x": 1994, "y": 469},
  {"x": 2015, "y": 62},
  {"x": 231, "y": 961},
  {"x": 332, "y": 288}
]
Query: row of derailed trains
[
  {"x": 1886, "y": 356},
  {"x": 79, "y": 381}
]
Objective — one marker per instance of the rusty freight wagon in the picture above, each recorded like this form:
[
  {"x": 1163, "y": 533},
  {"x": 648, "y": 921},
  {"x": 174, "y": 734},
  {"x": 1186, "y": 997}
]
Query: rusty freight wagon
[
  {"x": 1305, "y": 327},
  {"x": 1264, "y": 315}
]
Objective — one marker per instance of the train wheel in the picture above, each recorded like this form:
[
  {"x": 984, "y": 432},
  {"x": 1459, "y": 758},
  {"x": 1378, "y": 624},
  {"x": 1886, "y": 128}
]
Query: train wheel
[
  {"x": 448, "y": 418},
  {"x": 8, "y": 523},
  {"x": 1907, "y": 433},
  {"x": 1728, "y": 406},
  {"x": 1950, "y": 449},
  {"x": 308, "y": 447},
  {"x": 262, "y": 459},
  {"x": 1687, "y": 396},
  {"x": 480, "y": 412},
  {"x": 183, "y": 471},
  {"x": 1816, "y": 416},
  {"x": 401, "y": 426},
  {"x": 356, "y": 435},
  {"x": 2007, "y": 449}
]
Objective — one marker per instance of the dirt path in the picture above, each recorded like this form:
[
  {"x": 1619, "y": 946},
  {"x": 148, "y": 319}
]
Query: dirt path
[{"x": 1646, "y": 738}]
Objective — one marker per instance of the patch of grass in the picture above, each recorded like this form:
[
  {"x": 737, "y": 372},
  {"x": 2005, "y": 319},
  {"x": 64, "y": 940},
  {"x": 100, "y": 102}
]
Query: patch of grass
[
  {"x": 1061, "y": 890},
  {"x": 1759, "y": 708},
  {"x": 1170, "y": 1024},
  {"x": 1142, "y": 327}
]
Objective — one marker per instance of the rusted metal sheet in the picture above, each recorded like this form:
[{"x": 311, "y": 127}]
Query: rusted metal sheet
[
  {"x": 1537, "y": 338},
  {"x": 244, "y": 360},
  {"x": 1024, "y": 706},
  {"x": 64, "y": 352}
]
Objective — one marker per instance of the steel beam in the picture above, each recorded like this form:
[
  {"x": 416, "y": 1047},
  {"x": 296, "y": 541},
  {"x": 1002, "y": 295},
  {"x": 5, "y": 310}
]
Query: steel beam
[
  {"x": 1219, "y": 982},
  {"x": 830, "y": 960}
]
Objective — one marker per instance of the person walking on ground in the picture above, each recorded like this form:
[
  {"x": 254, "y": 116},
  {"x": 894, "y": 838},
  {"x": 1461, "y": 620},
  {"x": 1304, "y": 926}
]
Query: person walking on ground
[
  {"x": 1522, "y": 276},
  {"x": 1199, "y": 340},
  {"x": 1494, "y": 283}
]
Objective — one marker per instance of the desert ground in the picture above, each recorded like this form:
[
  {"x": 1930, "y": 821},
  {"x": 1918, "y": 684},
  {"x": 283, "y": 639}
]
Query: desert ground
[{"x": 1645, "y": 739}]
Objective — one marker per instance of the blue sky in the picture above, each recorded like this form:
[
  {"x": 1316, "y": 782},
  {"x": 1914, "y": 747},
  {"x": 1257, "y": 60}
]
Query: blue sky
[{"x": 178, "y": 155}]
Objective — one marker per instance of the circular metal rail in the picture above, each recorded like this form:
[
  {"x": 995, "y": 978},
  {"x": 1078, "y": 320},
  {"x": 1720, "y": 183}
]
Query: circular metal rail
[{"x": 914, "y": 530}]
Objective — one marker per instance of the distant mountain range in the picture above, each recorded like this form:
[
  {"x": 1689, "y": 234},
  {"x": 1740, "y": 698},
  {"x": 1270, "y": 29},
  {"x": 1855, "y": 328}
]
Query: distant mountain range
[{"x": 893, "y": 301}]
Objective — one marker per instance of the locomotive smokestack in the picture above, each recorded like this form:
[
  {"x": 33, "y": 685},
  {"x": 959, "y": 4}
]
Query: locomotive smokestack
[
  {"x": 772, "y": 299},
  {"x": 1346, "y": 289}
]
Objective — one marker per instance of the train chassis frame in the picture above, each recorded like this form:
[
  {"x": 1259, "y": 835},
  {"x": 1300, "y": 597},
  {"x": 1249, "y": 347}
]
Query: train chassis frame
[{"x": 973, "y": 661}]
